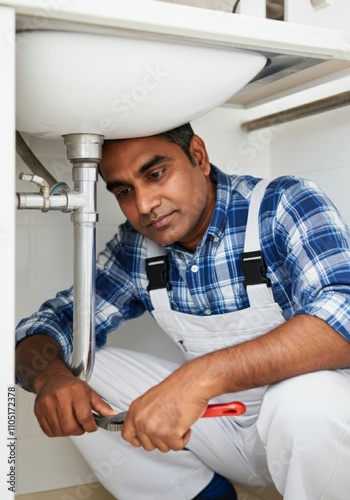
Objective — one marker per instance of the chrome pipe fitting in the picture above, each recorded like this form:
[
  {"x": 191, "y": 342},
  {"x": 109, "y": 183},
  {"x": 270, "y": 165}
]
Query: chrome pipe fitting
[
  {"x": 84, "y": 151},
  {"x": 65, "y": 201}
]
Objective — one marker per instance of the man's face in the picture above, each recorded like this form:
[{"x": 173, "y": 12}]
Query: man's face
[{"x": 160, "y": 192}]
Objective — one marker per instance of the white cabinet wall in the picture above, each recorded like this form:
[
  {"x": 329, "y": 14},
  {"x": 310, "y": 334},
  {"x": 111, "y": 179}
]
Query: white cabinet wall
[
  {"x": 317, "y": 148},
  {"x": 334, "y": 14}
]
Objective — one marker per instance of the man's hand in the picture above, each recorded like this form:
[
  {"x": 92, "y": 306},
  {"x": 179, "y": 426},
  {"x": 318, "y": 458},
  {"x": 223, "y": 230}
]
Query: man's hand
[
  {"x": 64, "y": 403},
  {"x": 162, "y": 417}
]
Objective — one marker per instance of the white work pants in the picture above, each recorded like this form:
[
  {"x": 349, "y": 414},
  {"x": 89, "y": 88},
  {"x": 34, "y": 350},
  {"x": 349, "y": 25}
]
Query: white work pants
[{"x": 295, "y": 435}]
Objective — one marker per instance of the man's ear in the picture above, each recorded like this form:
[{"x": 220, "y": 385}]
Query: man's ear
[{"x": 199, "y": 154}]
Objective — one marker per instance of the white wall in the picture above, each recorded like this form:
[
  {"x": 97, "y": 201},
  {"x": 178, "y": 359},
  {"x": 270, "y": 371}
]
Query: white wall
[
  {"x": 317, "y": 148},
  {"x": 332, "y": 14},
  {"x": 44, "y": 265}
]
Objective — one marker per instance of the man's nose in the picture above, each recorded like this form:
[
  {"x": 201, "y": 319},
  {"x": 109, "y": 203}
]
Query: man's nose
[{"x": 147, "y": 199}]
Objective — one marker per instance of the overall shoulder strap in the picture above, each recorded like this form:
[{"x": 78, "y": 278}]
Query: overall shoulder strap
[
  {"x": 258, "y": 286},
  {"x": 252, "y": 235},
  {"x": 157, "y": 269}
]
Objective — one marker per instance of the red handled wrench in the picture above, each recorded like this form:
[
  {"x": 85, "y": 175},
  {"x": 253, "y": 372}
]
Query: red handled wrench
[{"x": 115, "y": 422}]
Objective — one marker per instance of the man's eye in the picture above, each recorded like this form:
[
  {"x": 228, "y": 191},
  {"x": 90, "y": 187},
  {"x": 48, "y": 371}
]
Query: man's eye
[
  {"x": 156, "y": 174},
  {"x": 123, "y": 192}
]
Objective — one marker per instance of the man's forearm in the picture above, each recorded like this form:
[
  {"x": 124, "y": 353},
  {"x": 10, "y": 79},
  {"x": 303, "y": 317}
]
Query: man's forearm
[
  {"x": 37, "y": 358},
  {"x": 301, "y": 345},
  {"x": 64, "y": 404}
]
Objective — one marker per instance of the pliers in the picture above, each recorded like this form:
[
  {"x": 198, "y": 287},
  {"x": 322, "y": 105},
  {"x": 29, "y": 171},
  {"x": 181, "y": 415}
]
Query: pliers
[{"x": 115, "y": 422}]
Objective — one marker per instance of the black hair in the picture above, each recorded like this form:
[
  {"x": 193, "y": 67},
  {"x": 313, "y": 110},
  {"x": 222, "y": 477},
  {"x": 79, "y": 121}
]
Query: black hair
[{"x": 181, "y": 136}]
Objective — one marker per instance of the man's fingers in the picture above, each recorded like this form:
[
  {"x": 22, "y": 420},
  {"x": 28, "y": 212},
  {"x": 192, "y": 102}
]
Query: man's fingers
[
  {"x": 83, "y": 419},
  {"x": 52, "y": 422},
  {"x": 163, "y": 445},
  {"x": 68, "y": 411},
  {"x": 45, "y": 426},
  {"x": 138, "y": 441},
  {"x": 101, "y": 406},
  {"x": 152, "y": 438},
  {"x": 83, "y": 411}
]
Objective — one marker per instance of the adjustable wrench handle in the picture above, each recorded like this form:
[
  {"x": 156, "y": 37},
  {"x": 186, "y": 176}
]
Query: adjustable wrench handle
[
  {"x": 225, "y": 410},
  {"x": 115, "y": 422}
]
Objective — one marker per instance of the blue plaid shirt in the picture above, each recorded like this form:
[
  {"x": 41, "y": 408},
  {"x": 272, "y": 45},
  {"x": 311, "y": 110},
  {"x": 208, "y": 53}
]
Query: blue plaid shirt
[{"x": 305, "y": 243}]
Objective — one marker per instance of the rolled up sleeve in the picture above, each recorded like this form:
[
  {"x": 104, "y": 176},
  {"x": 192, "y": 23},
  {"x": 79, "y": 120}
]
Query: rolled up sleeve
[{"x": 314, "y": 242}]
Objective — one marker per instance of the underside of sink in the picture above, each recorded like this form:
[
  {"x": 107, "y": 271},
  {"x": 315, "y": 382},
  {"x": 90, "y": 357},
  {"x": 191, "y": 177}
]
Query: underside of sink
[{"x": 121, "y": 87}]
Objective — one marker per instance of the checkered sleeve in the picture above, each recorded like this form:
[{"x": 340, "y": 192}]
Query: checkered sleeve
[
  {"x": 315, "y": 241},
  {"x": 116, "y": 301}
]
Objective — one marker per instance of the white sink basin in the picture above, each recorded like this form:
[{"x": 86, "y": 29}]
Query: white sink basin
[{"x": 121, "y": 87}]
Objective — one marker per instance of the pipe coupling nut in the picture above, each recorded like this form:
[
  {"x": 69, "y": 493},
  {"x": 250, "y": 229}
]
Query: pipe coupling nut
[{"x": 84, "y": 217}]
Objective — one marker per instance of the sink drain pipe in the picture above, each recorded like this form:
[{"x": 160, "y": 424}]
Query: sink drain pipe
[{"x": 84, "y": 151}]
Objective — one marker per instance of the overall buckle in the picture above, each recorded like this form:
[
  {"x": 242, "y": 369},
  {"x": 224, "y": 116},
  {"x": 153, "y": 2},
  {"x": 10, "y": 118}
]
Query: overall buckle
[
  {"x": 254, "y": 268},
  {"x": 157, "y": 269}
]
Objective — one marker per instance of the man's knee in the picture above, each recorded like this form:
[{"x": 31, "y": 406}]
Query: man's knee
[
  {"x": 304, "y": 425},
  {"x": 307, "y": 410}
]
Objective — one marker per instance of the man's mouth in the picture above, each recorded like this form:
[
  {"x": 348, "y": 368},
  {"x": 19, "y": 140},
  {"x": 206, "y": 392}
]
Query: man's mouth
[{"x": 161, "y": 221}]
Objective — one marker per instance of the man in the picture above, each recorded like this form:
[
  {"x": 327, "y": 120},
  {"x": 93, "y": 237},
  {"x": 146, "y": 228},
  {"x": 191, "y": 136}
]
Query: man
[{"x": 256, "y": 295}]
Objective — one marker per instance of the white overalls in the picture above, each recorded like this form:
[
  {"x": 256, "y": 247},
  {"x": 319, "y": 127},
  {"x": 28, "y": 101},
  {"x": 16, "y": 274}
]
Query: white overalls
[{"x": 294, "y": 434}]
